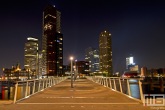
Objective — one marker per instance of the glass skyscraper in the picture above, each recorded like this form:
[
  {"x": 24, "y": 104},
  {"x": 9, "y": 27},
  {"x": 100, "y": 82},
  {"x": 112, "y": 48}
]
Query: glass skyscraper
[
  {"x": 105, "y": 51},
  {"x": 92, "y": 56},
  {"x": 52, "y": 42},
  {"x": 31, "y": 55}
]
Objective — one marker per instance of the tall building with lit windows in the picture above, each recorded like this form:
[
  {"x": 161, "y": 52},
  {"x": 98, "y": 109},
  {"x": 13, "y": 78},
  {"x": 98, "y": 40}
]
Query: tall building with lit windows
[
  {"x": 31, "y": 56},
  {"x": 105, "y": 53},
  {"x": 129, "y": 62},
  {"x": 92, "y": 56},
  {"x": 52, "y": 42}
]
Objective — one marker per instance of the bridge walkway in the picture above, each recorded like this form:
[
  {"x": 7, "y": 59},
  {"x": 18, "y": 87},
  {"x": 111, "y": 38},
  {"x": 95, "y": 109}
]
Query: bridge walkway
[{"x": 85, "y": 95}]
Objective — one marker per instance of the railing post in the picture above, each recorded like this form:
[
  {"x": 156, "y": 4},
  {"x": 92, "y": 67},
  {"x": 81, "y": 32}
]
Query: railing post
[
  {"x": 104, "y": 82},
  {"x": 53, "y": 81},
  {"x": 114, "y": 83},
  {"x": 141, "y": 90},
  {"x": 49, "y": 82},
  {"x": 98, "y": 80},
  {"x": 34, "y": 84},
  {"x": 15, "y": 96},
  {"x": 43, "y": 84},
  {"x": 39, "y": 85},
  {"x": 110, "y": 84},
  {"x": 107, "y": 81},
  {"x": 46, "y": 83},
  {"x": 26, "y": 91},
  {"x": 121, "y": 90},
  {"x": 128, "y": 87}
]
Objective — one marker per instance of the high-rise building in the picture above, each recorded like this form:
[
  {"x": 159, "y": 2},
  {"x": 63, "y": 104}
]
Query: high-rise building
[
  {"x": 92, "y": 56},
  {"x": 40, "y": 64},
  {"x": 31, "y": 56},
  {"x": 129, "y": 62},
  {"x": 82, "y": 67},
  {"x": 52, "y": 42},
  {"x": 105, "y": 53}
]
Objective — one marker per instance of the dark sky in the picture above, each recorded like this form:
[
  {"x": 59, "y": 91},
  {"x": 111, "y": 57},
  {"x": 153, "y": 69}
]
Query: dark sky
[{"x": 137, "y": 28}]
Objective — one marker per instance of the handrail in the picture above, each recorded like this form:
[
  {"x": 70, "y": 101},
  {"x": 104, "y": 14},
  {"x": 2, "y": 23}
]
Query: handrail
[
  {"x": 37, "y": 86},
  {"x": 108, "y": 81}
]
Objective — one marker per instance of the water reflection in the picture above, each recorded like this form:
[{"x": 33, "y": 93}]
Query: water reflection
[
  {"x": 8, "y": 94},
  {"x": 135, "y": 91}
]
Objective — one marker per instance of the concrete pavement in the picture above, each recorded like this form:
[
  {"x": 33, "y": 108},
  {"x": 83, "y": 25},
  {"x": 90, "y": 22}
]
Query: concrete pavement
[{"x": 86, "y": 95}]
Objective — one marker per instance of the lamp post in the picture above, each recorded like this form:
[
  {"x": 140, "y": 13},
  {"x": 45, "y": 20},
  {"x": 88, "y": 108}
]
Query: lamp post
[
  {"x": 71, "y": 59},
  {"x": 75, "y": 74}
]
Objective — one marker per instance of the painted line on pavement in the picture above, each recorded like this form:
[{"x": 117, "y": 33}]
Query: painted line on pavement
[
  {"x": 74, "y": 97},
  {"x": 79, "y": 103}
]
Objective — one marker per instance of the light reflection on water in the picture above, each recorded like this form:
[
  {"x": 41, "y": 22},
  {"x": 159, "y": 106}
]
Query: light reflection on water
[
  {"x": 135, "y": 91},
  {"x": 6, "y": 95}
]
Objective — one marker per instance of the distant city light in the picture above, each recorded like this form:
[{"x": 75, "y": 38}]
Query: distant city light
[
  {"x": 131, "y": 60},
  {"x": 30, "y": 38}
]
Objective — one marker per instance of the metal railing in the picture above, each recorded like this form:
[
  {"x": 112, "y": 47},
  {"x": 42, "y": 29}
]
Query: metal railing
[
  {"x": 121, "y": 85},
  {"x": 32, "y": 87}
]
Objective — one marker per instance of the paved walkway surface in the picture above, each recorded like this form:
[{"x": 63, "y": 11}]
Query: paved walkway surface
[{"x": 86, "y": 95}]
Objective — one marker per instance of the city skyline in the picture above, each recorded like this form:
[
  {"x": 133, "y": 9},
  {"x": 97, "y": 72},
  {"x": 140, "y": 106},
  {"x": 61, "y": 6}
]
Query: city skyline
[{"x": 137, "y": 28}]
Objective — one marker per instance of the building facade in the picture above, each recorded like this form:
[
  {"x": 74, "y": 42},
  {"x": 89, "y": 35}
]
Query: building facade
[
  {"x": 129, "y": 62},
  {"x": 16, "y": 73},
  {"x": 105, "y": 53},
  {"x": 52, "y": 42},
  {"x": 92, "y": 56},
  {"x": 31, "y": 56},
  {"x": 82, "y": 67}
]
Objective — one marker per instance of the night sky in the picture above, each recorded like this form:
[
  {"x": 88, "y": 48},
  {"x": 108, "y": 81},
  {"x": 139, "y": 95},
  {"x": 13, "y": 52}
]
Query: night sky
[{"x": 137, "y": 28}]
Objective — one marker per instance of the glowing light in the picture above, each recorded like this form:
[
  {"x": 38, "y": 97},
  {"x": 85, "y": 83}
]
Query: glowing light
[
  {"x": 30, "y": 38},
  {"x": 71, "y": 58},
  {"x": 131, "y": 60}
]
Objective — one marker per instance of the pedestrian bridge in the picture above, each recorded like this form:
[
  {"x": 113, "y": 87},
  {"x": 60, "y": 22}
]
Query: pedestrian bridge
[{"x": 91, "y": 93}]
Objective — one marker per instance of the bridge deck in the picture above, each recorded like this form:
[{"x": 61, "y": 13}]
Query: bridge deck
[{"x": 85, "y": 95}]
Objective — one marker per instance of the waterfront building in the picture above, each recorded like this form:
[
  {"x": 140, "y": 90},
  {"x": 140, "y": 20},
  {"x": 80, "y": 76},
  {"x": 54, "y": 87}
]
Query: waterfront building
[
  {"x": 143, "y": 71},
  {"x": 52, "y": 42},
  {"x": 105, "y": 53},
  {"x": 16, "y": 73},
  {"x": 92, "y": 56},
  {"x": 31, "y": 56}
]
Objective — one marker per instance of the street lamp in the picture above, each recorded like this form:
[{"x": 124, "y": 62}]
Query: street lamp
[
  {"x": 71, "y": 59},
  {"x": 75, "y": 74}
]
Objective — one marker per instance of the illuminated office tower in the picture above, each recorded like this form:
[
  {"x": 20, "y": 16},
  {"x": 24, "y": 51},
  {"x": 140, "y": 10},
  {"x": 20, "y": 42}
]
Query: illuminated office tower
[
  {"x": 129, "y": 62},
  {"x": 105, "y": 51},
  {"x": 92, "y": 56},
  {"x": 52, "y": 42},
  {"x": 31, "y": 56}
]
